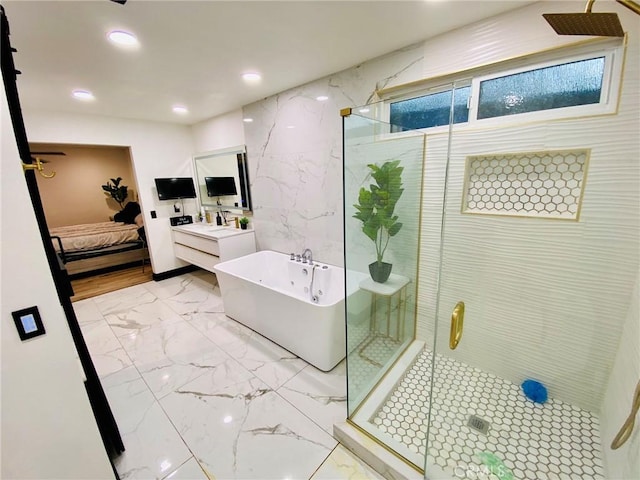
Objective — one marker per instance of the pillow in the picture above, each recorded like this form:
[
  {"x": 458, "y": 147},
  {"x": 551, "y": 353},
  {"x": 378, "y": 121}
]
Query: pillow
[{"x": 128, "y": 213}]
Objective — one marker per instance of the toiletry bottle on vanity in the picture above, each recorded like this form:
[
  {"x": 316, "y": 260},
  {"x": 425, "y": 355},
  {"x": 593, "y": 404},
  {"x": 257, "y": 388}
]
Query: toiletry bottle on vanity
[
  {"x": 209, "y": 217},
  {"x": 218, "y": 219},
  {"x": 237, "y": 222}
]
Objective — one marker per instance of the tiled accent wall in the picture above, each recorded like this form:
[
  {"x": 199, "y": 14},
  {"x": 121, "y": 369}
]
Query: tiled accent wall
[
  {"x": 544, "y": 299},
  {"x": 531, "y": 184},
  {"x": 294, "y": 151},
  {"x": 625, "y": 461}
]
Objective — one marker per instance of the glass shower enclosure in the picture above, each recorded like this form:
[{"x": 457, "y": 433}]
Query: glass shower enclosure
[{"x": 489, "y": 348}]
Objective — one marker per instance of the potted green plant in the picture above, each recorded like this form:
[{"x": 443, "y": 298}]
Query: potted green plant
[
  {"x": 375, "y": 209},
  {"x": 118, "y": 192},
  {"x": 244, "y": 221}
]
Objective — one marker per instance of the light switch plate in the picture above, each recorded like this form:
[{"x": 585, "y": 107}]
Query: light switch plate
[{"x": 28, "y": 323}]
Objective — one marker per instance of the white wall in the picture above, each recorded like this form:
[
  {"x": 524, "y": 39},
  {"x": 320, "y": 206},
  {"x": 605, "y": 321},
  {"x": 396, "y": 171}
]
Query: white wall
[
  {"x": 48, "y": 428},
  {"x": 157, "y": 150},
  {"x": 623, "y": 463},
  {"x": 218, "y": 132}
]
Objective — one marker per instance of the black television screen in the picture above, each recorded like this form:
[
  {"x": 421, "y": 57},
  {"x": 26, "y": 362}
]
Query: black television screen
[
  {"x": 220, "y": 186},
  {"x": 173, "y": 188}
]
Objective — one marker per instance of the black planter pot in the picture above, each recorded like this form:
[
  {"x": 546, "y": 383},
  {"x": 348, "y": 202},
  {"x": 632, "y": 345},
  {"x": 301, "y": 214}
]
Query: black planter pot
[
  {"x": 380, "y": 271},
  {"x": 243, "y": 226}
]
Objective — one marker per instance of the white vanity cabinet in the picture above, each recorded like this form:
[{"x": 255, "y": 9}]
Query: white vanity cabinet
[{"x": 207, "y": 245}]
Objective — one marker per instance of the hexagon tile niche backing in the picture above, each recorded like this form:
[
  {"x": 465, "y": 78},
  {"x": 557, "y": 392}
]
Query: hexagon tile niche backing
[{"x": 547, "y": 184}]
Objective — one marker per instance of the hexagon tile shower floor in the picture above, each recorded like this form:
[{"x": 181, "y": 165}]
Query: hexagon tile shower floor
[{"x": 537, "y": 442}]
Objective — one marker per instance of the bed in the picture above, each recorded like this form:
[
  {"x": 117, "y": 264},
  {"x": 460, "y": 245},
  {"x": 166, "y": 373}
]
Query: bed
[{"x": 97, "y": 246}]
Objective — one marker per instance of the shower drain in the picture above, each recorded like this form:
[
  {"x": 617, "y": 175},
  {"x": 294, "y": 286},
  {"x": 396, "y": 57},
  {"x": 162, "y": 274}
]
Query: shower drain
[{"x": 479, "y": 424}]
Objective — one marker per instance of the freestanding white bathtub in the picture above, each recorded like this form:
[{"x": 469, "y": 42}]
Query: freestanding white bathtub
[{"x": 273, "y": 295}]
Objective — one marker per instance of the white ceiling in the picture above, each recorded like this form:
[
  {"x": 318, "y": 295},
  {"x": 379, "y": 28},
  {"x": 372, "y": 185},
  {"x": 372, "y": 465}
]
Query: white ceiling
[{"x": 193, "y": 53}]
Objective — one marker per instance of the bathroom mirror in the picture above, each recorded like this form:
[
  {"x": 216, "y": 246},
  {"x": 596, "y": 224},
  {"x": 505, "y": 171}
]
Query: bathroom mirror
[{"x": 222, "y": 179}]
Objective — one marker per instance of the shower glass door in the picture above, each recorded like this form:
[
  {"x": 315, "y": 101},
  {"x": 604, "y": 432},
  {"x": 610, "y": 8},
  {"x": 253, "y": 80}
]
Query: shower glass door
[
  {"x": 379, "y": 165},
  {"x": 542, "y": 260}
]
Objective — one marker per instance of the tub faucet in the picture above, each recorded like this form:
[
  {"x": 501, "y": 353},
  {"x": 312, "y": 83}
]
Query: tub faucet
[{"x": 307, "y": 256}]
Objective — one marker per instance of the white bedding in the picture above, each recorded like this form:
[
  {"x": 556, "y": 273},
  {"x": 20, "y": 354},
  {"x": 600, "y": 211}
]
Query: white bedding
[{"x": 90, "y": 236}]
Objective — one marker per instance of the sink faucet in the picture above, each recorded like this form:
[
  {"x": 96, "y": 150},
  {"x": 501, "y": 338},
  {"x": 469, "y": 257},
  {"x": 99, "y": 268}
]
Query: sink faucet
[{"x": 307, "y": 256}]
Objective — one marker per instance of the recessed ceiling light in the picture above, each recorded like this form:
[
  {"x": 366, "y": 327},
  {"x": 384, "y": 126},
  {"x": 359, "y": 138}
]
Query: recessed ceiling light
[
  {"x": 247, "y": 120},
  {"x": 83, "y": 95},
  {"x": 251, "y": 77},
  {"x": 180, "y": 109},
  {"x": 122, "y": 38},
  {"x": 291, "y": 126},
  {"x": 364, "y": 110},
  {"x": 322, "y": 98}
]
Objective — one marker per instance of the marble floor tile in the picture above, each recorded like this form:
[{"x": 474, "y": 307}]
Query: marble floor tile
[
  {"x": 142, "y": 317},
  {"x": 87, "y": 312},
  {"x": 190, "y": 470},
  {"x": 198, "y": 395},
  {"x": 205, "y": 276},
  {"x": 269, "y": 362},
  {"x": 169, "y": 356},
  {"x": 153, "y": 446},
  {"x": 222, "y": 330},
  {"x": 344, "y": 465},
  {"x": 173, "y": 286},
  {"x": 321, "y": 396},
  {"x": 245, "y": 430},
  {"x": 197, "y": 299},
  {"x": 106, "y": 351},
  {"x": 123, "y": 300}
]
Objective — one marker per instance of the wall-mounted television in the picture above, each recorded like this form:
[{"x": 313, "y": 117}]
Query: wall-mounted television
[
  {"x": 220, "y": 186},
  {"x": 174, "y": 188}
]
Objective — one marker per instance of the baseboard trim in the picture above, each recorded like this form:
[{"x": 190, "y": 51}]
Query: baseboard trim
[{"x": 174, "y": 273}]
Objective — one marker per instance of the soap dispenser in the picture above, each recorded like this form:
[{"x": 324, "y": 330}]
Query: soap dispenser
[{"x": 218, "y": 219}]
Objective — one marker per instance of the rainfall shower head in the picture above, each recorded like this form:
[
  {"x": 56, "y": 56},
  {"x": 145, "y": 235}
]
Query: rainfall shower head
[{"x": 588, "y": 23}]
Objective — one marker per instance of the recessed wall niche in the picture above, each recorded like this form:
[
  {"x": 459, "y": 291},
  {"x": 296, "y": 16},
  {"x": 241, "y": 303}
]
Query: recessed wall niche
[{"x": 547, "y": 184}]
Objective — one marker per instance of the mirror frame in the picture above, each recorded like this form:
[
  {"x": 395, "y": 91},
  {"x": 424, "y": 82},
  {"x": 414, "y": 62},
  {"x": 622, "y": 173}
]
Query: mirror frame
[{"x": 244, "y": 190}]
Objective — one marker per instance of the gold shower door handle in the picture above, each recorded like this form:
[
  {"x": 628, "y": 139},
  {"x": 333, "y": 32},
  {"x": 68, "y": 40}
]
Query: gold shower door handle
[
  {"x": 625, "y": 432},
  {"x": 457, "y": 324}
]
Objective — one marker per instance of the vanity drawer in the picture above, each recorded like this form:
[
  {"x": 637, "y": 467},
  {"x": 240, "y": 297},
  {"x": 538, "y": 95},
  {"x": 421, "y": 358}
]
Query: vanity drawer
[
  {"x": 196, "y": 257},
  {"x": 203, "y": 244}
]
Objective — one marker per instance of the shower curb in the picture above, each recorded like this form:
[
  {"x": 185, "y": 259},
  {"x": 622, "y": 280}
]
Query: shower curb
[{"x": 375, "y": 455}]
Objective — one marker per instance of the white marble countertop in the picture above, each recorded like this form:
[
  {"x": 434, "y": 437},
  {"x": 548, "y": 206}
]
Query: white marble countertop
[{"x": 208, "y": 230}]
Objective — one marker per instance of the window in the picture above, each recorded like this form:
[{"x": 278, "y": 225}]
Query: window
[
  {"x": 559, "y": 86},
  {"x": 585, "y": 83},
  {"x": 431, "y": 110}
]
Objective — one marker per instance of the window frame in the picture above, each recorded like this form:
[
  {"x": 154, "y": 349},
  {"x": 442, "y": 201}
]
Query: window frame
[
  {"x": 604, "y": 106},
  {"x": 433, "y": 91},
  {"x": 613, "y": 51}
]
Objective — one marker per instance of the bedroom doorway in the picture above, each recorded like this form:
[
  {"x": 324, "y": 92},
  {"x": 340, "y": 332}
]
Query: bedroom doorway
[{"x": 94, "y": 218}]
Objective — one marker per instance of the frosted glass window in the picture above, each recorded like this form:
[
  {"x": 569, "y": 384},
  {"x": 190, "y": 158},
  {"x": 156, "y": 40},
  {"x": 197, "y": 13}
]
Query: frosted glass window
[
  {"x": 559, "y": 86},
  {"x": 431, "y": 110}
]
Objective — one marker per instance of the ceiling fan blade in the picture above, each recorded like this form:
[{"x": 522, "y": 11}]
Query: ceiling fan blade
[{"x": 48, "y": 153}]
